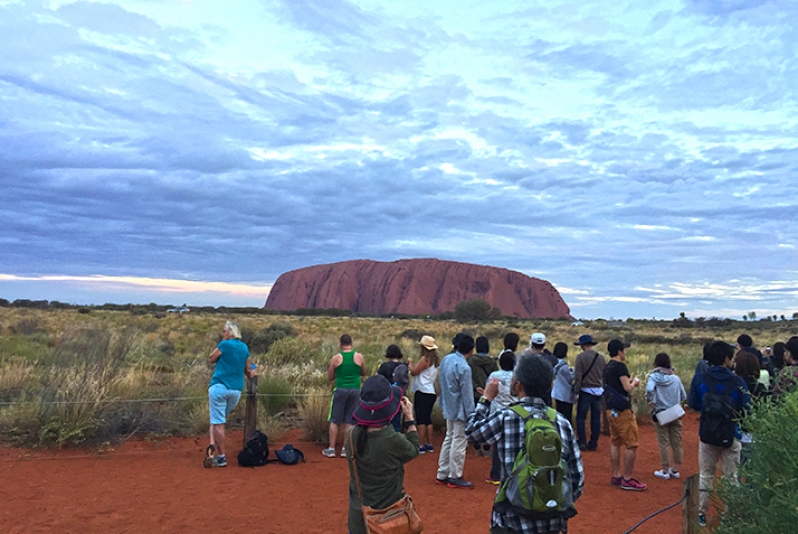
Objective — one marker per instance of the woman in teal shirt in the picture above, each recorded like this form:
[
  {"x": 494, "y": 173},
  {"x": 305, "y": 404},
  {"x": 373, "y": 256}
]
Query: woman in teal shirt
[{"x": 232, "y": 361}]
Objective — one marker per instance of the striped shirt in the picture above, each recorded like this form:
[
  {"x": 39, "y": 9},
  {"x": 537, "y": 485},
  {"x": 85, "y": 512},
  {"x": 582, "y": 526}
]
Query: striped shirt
[{"x": 506, "y": 429}]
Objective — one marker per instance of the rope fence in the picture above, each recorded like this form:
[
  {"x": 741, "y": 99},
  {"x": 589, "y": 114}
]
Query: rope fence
[{"x": 155, "y": 399}]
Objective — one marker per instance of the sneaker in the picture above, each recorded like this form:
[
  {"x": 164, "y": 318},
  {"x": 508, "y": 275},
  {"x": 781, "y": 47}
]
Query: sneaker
[
  {"x": 460, "y": 483},
  {"x": 209, "y": 452},
  {"x": 702, "y": 520},
  {"x": 663, "y": 474},
  {"x": 429, "y": 447},
  {"x": 632, "y": 485},
  {"x": 673, "y": 474},
  {"x": 592, "y": 446},
  {"x": 422, "y": 449},
  {"x": 441, "y": 481},
  {"x": 582, "y": 446},
  {"x": 616, "y": 481},
  {"x": 329, "y": 452},
  {"x": 492, "y": 481},
  {"x": 219, "y": 461}
]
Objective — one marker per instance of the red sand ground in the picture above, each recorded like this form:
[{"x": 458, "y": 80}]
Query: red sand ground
[{"x": 161, "y": 486}]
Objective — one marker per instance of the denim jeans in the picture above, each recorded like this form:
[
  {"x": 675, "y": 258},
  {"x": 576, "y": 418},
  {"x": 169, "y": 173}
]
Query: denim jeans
[{"x": 593, "y": 403}]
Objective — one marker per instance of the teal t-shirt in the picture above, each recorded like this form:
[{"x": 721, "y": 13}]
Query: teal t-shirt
[{"x": 230, "y": 365}]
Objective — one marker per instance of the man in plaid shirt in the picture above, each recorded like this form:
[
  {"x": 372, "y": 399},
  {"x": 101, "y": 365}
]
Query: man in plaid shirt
[{"x": 532, "y": 379}]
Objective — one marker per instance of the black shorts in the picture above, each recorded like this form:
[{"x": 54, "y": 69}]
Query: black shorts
[
  {"x": 342, "y": 406},
  {"x": 422, "y": 405}
]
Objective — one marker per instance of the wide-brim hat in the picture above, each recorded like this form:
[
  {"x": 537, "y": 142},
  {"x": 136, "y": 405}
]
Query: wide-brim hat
[
  {"x": 379, "y": 402},
  {"x": 428, "y": 342},
  {"x": 585, "y": 339}
]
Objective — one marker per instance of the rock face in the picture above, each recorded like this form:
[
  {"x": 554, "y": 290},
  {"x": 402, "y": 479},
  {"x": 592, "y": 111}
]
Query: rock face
[{"x": 415, "y": 287}]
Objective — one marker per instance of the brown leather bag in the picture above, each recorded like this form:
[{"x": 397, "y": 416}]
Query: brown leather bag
[{"x": 398, "y": 518}]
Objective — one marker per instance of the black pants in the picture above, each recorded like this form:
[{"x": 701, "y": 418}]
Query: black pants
[{"x": 566, "y": 409}]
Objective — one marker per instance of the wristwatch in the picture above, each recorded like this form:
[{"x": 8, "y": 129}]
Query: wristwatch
[
  {"x": 408, "y": 424},
  {"x": 484, "y": 400}
]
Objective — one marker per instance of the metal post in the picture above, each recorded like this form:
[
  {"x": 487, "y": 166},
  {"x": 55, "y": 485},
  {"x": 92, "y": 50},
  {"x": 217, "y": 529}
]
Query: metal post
[
  {"x": 251, "y": 414},
  {"x": 690, "y": 506}
]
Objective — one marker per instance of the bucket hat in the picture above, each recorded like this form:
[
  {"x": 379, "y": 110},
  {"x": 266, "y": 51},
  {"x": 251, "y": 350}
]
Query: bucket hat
[
  {"x": 379, "y": 402},
  {"x": 585, "y": 339}
]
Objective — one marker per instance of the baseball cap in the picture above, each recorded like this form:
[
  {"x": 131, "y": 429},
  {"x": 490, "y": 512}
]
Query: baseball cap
[
  {"x": 616, "y": 345},
  {"x": 537, "y": 339}
]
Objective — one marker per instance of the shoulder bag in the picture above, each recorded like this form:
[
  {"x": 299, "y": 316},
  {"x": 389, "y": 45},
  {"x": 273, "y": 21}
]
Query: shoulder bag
[
  {"x": 398, "y": 518},
  {"x": 666, "y": 417}
]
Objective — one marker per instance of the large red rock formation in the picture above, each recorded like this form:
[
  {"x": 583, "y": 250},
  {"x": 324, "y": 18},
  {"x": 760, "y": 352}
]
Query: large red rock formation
[{"x": 414, "y": 287}]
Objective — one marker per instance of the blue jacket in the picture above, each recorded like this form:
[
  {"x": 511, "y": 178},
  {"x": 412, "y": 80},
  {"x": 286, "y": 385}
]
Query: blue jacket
[
  {"x": 457, "y": 394},
  {"x": 722, "y": 376}
]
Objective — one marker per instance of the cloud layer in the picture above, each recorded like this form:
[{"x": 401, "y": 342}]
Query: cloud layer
[{"x": 624, "y": 152}]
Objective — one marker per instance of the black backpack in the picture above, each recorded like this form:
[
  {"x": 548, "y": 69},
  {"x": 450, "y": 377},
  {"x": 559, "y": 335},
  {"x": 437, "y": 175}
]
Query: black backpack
[
  {"x": 255, "y": 452},
  {"x": 288, "y": 455},
  {"x": 717, "y": 415}
]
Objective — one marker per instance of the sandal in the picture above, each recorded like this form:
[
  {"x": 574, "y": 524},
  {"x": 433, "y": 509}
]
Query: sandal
[{"x": 209, "y": 452}]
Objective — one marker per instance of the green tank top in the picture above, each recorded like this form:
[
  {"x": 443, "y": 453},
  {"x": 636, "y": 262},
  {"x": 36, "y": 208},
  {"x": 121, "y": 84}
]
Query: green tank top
[{"x": 347, "y": 375}]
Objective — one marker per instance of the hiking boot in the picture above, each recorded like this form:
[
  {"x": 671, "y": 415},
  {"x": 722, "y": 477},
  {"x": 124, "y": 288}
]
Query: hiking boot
[
  {"x": 460, "y": 483},
  {"x": 663, "y": 474},
  {"x": 209, "y": 452},
  {"x": 632, "y": 485},
  {"x": 441, "y": 481},
  {"x": 702, "y": 520},
  {"x": 492, "y": 481},
  {"x": 616, "y": 481},
  {"x": 673, "y": 474},
  {"x": 429, "y": 447},
  {"x": 329, "y": 452},
  {"x": 219, "y": 461}
]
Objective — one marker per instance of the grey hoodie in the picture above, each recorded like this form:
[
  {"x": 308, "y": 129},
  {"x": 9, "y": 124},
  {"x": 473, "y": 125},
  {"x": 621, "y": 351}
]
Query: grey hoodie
[{"x": 664, "y": 389}]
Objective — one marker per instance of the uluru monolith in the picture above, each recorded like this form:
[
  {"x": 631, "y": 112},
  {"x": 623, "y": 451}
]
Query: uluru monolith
[{"x": 414, "y": 287}]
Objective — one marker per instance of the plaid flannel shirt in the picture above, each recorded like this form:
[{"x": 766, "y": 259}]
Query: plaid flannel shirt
[{"x": 506, "y": 429}]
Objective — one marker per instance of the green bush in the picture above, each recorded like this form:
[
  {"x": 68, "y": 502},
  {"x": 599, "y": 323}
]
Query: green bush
[
  {"x": 289, "y": 350},
  {"x": 261, "y": 341},
  {"x": 276, "y": 394},
  {"x": 766, "y": 500},
  {"x": 476, "y": 310}
]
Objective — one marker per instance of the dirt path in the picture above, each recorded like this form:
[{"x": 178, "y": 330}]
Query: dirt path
[{"x": 161, "y": 486}]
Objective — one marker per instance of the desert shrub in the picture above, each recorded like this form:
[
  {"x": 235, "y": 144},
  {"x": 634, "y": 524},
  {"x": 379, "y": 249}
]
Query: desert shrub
[
  {"x": 77, "y": 382},
  {"x": 275, "y": 394},
  {"x": 765, "y": 500},
  {"x": 26, "y": 326},
  {"x": 414, "y": 334},
  {"x": 476, "y": 310},
  {"x": 289, "y": 350},
  {"x": 302, "y": 377},
  {"x": 313, "y": 412},
  {"x": 19, "y": 421},
  {"x": 261, "y": 341}
]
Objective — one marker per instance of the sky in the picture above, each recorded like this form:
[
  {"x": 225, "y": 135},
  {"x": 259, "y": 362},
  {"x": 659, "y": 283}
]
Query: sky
[{"x": 640, "y": 156}]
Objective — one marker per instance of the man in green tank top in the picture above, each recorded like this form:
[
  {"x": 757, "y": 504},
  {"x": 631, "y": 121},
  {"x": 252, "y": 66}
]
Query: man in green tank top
[{"x": 346, "y": 369}]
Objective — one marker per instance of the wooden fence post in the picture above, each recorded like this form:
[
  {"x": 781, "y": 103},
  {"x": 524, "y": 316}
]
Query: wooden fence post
[
  {"x": 690, "y": 506},
  {"x": 251, "y": 414}
]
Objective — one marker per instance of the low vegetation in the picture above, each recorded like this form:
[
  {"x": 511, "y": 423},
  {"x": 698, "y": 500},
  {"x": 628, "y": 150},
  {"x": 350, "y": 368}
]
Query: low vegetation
[{"x": 68, "y": 377}]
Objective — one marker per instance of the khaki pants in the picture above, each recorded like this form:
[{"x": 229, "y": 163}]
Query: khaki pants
[
  {"x": 453, "y": 451},
  {"x": 669, "y": 437},
  {"x": 708, "y": 456}
]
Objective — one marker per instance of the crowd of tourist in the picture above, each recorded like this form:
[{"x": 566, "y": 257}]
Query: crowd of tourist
[{"x": 504, "y": 406}]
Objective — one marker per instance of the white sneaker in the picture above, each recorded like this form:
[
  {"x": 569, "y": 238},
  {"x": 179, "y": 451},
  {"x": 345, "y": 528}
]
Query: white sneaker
[
  {"x": 329, "y": 452},
  {"x": 661, "y": 473},
  {"x": 673, "y": 474}
]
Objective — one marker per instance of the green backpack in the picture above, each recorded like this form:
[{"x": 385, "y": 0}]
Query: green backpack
[{"x": 539, "y": 486}]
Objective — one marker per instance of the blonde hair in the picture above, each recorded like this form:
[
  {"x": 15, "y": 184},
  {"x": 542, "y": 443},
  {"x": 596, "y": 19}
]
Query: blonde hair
[{"x": 233, "y": 328}]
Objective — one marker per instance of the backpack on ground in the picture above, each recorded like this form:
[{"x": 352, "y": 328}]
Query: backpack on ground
[
  {"x": 255, "y": 452},
  {"x": 288, "y": 455},
  {"x": 539, "y": 486},
  {"x": 717, "y": 415},
  {"x": 401, "y": 376}
]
